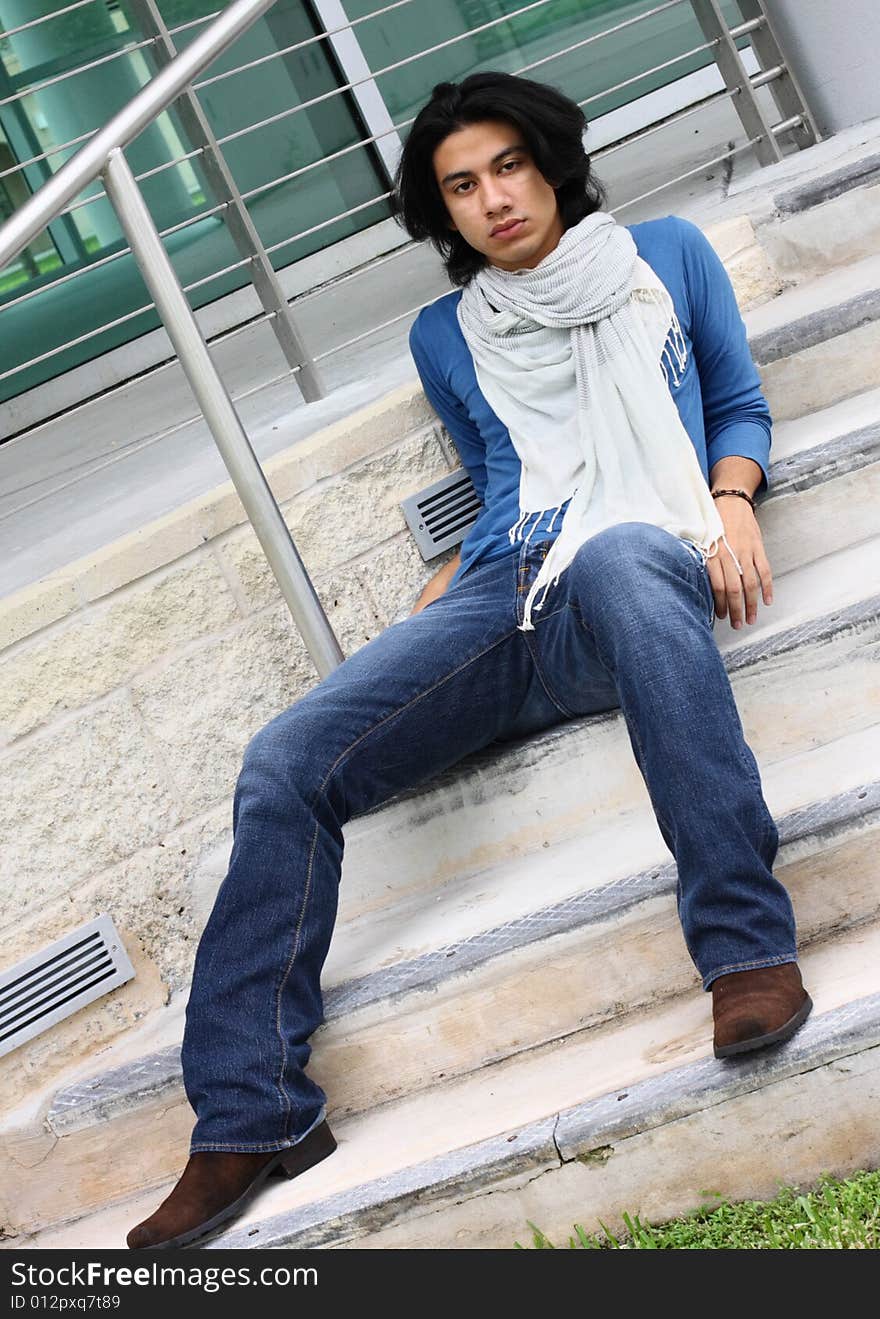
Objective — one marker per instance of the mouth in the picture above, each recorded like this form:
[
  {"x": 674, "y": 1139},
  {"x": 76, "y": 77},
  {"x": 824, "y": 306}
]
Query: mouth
[{"x": 507, "y": 230}]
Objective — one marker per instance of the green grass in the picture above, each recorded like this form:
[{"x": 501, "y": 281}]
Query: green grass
[{"x": 835, "y": 1215}]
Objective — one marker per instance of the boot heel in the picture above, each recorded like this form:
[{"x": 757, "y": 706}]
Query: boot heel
[{"x": 307, "y": 1152}]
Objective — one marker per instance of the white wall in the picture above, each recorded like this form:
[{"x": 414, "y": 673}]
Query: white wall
[{"x": 832, "y": 49}]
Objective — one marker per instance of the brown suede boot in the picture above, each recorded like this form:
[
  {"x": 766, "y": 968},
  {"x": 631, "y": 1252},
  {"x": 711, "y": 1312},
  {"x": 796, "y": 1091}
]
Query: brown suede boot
[
  {"x": 756, "y": 1008},
  {"x": 216, "y": 1186}
]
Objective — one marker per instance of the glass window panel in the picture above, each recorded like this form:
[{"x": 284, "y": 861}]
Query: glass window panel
[
  {"x": 51, "y": 117},
  {"x": 512, "y": 43}
]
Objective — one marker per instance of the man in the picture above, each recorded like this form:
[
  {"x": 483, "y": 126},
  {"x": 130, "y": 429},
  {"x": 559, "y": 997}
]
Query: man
[{"x": 596, "y": 383}]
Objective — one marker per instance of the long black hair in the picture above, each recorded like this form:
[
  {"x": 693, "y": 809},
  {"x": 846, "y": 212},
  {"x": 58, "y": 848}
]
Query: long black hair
[{"x": 553, "y": 127}]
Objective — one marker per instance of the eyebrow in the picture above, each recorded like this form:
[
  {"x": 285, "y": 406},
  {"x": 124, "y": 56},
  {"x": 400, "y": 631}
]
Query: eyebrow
[{"x": 464, "y": 173}]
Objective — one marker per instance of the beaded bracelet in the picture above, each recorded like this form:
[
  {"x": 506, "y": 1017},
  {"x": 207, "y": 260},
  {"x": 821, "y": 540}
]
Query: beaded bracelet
[{"x": 742, "y": 494}]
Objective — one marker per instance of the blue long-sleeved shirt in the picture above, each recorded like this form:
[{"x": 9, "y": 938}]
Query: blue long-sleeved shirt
[{"x": 718, "y": 395}]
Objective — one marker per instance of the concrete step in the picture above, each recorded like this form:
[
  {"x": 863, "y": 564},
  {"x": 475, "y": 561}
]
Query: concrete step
[
  {"x": 446, "y": 989},
  {"x": 821, "y": 502},
  {"x": 494, "y": 806},
  {"x": 824, "y": 483},
  {"x": 459, "y": 963},
  {"x": 636, "y": 1115},
  {"x": 423, "y": 971},
  {"x": 823, "y": 221},
  {"x": 786, "y": 662},
  {"x": 819, "y": 342}
]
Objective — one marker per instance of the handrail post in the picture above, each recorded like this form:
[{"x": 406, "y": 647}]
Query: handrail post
[
  {"x": 727, "y": 57},
  {"x": 221, "y": 416},
  {"x": 236, "y": 216},
  {"x": 786, "y": 91}
]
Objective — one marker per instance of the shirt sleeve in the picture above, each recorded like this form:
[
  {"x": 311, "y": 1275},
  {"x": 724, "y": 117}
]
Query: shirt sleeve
[
  {"x": 735, "y": 411},
  {"x": 449, "y": 407}
]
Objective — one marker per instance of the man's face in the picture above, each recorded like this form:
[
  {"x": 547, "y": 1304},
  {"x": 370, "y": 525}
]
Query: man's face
[{"x": 487, "y": 178}]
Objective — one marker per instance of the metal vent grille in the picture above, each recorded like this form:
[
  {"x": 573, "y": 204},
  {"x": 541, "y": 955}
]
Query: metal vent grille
[
  {"x": 440, "y": 515},
  {"x": 49, "y": 986}
]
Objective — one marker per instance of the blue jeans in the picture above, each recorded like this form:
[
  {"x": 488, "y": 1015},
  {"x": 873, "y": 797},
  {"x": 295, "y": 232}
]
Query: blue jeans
[{"x": 628, "y": 624}]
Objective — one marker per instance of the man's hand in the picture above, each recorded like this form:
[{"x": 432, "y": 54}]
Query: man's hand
[
  {"x": 744, "y": 536},
  {"x": 438, "y": 584}
]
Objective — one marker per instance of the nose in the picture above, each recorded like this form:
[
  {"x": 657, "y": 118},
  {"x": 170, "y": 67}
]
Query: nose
[{"x": 496, "y": 200}]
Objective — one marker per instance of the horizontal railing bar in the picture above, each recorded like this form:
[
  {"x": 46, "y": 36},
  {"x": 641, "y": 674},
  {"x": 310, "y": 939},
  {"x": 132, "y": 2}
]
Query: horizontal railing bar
[
  {"x": 286, "y": 50},
  {"x": 324, "y": 224},
  {"x": 768, "y": 75},
  {"x": 53, "y": 151},
  {"x": 374, "y": 329},
  {"x": 114, "y": 256},
  {"x": 169, "y": 164},
  {"x": 743, "y": 29},
  {"x": 375, "y": 264},
  {"x": 716, "y": 160},
  {"x": 65, "y": 279},
  {"x": 658, "y": 68},
  {"x": 606, "y": 32},
  {"x": 72, "y": 343},
  {"x": 785, "y": 124},
  {"x": 73, "y": 73},
  {"x": 45, "y": 18},
  {"x": 216, "y": 274},
  {"x": 677, "y": 118},
  {"x": 148, "y": 374}
]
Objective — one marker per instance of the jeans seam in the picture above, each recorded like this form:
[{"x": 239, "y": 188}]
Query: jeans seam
[
  {"x": 236, "y": 1147},
  {"x": 755, "y": 964},
  {"x": 696, "y": 557},
  {"x": 554, "y": 700},
  {"x": 308, "y": 888}
]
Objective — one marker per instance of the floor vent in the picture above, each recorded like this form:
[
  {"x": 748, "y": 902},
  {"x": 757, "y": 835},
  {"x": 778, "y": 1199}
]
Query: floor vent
[
  {"x": 439, "y": 516},
  {"x": 49, "y": 986}
]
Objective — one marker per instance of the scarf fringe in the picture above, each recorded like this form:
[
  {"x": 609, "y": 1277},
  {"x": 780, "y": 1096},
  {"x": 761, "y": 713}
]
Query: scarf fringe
[
  {"x": 515, "y": 532},
  {"x": 712, "y": 552}
]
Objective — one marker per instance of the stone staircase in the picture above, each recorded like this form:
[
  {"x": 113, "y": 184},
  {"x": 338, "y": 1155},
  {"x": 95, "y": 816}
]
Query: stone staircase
[{"x": 514, "y": 1030}]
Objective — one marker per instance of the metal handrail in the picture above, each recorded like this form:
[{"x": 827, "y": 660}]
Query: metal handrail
[{"x": 102, "y": 156}]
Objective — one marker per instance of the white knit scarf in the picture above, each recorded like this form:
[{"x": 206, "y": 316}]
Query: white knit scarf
[{"x": 568, "y": 355}]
